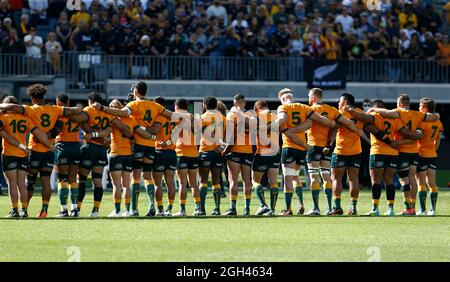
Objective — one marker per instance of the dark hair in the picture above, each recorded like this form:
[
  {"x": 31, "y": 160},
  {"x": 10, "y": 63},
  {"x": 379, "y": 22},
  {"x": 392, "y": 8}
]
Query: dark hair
[
  {"x": 160, "y": 100},
  {"x": 378, "y": 103},
  {"x": 349, "y": 97},
  {"x": 260, "y": 104},
  {"x": 141, "y": 88},
  {"x": 403, "y": 99},
  {"x": 367, "y": 100},
  {"x": 181, "y": 103},
  {"x": 210, "y": 102},
  {"x": 9, "y": 100},
  {"x": 37, "y": 91},
  {"x": 238, "y": 97},
  {"x": 95, "y": 97},
  {"x": 63, "y": 98},
  {"x": 429, "y": 103}
]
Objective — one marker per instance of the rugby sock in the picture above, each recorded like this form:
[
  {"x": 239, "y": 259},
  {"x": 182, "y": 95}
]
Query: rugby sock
[
  {"x": 329, "y": 193},
  {"x": 233, "y": 201},
  {"x": 259, "y": 191},
  {"x": 183, "y": 205},
  {"x": 288, "y": 199},
  {"x": 81, "y": 194},
  {"x": 170, "y": 204},
  {"x": 127, "y": 203},
  {"x": 44, "y": 206},
  {"x": 354, "y": 203},
  {"x": 217, "y": 195},
  {"x": 315, "y": 190},
  {"x": 390, "y": 195},
  {"x": 299, "y": 192},
  {"x": 135, "y": 190},
  {"x": 248, "y": 198},
  {"x": 203, "y": 193},
  {"x": 73, "y": 194},
  {"x": 159, "y": 204},
  {"x": 337, "y": 202},
  {"x": 15, "y": 206},
  {"x": 423, "y": 197},
  {"x": 273, "y": 197},
  {"x": 413, "y": 203},
  {"x": 406, "y": 199},
  {"x": 63, "y": 193},
  {"x": 117, "y": 205},
  {"x": 197, "y": 202},
  {"x": 24, "y": 206},
  {"x": 98, "y": 195},
  {"x": 376, "y": 195},
  {"x": 150, "y": 188},
  {"x": 434, "y": 197}
]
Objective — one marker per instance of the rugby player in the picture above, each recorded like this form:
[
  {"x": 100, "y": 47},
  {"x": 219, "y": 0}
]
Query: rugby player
[
  {"x": 293, "y": 119},
  {"x": 121, "y": 160},
  {"x": 67, "y": 157},
  {"x": 97, "y": 126},
  {"x": 408, "y": 152},
  {"x": 383, "y": 153},
  {"x": 319, "y": 156},
  {"x": 346, "y": 157},
  {"x": 42, "y": 157},
  {"x": 165, "y": 162},
  {"x": 239, "y": 153},
  {"x": 145, "y": 112},
  {"x": 187, "y": 159},
  {"x": 426, "y": 169},
  {"x": 14, "y": 129},
  {"x": 210, "y": 153},
  {"x": 267, "y": 158}
]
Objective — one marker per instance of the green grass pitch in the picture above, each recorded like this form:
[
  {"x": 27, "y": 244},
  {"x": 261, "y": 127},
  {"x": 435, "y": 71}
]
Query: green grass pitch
[{"x": 297, "y": 238}]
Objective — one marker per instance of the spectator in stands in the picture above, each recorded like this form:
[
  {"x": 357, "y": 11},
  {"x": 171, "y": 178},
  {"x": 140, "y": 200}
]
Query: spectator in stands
[
  {"x": 331, "y": 48},
  {"x": 249, "y": 46},
  {"x": 240, "y": 25},
  {"x": 407, "y": 15},
  {"x": 108, "y": 40},
  {"x": 140, "y": 64},
  {"x": 38, "y": 11},
  {"x": 404, "y": 42},
  {"x": 160, "y": 46},
  {"x": 429, "y": 47},
  {"x": 24, "y": 26},
  {"x": 218, "y": 11},
  {"x": 310, "y": 49},
  {"x": 444, "y": 51},
  {"x": 180, "y": 31},
  {"x": 432, "y": 20},
  {"x": 81, "y": 15},
  {"x": 414, "y": 50},
  {"x": 124, "y": 19},
  {"x": 177, "y": 47},
  {"x": 345, "y": 20},
  {"x": 295, "y": 44},
  {"x": 83, "y": 40},
  {"x": 394, "y": 52},
  {"x": 7, "y": 24},
  {"x": 377, "y": 47},
  {"x": 195, "y": 48},
  {"x": 356, "y": 49},
  {"x": 282, "y": 36},
  {"x": 13, "y": 45},
  {"x": 231, "y": 44},
  {"x": 5, "y": 11},
  {"x": 34, "y": 45},
  {"x": 53, "y": 49},
  {"x": 63, "y": 31}
]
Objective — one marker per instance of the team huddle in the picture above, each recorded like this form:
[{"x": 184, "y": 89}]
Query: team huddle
[{"x": 143, "y": 140}]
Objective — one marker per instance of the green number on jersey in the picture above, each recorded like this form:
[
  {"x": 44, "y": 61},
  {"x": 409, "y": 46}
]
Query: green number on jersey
[
  {"x": 102, "y": 123},
  {"x": 434, "y": 128},
  {"x": 45, "y": 120},
  {"x": 296, "y": 118},
  {"x": 148, "y": 116},
  {"x": 387, "y": 126},
  {"x": 69, "y": 124},
  {"x": 18, "y": 126}
]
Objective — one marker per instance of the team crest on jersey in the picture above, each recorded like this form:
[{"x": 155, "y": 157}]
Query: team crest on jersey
[
  {"x": 12, "y": 165},
  {"x": 138, "y": 155},
  {"x": 87, "y": 163}
]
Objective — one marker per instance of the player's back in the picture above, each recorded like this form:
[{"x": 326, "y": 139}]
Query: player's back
[
  {"x": 165, "y": 134},
  {"x": 318, "y": 133},
  {"x": 121, "y": 145},
  {"x": 187, "y": 144},
  {"x": 411, "y": 120},
  {"x": 348, "y": 142},
  {"x": 296, "y": 114},
  {"x": 145, "y": 112},
  {"x": 390, "y": 127},
  {"x": 426, "y": 145},
  {"x": 17, "y": 126},
  {"x": 44, "y": 117},
  {"x": 70, "y": 131},
  {"x": 269, "y": 144},
  {"x": 242, "y": 142},
  {"x": 213, "y": 130},
  {"x": 98, "y": 120}
]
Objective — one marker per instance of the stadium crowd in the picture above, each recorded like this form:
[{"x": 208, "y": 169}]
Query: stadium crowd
[{"x": 326, "y": 29}]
